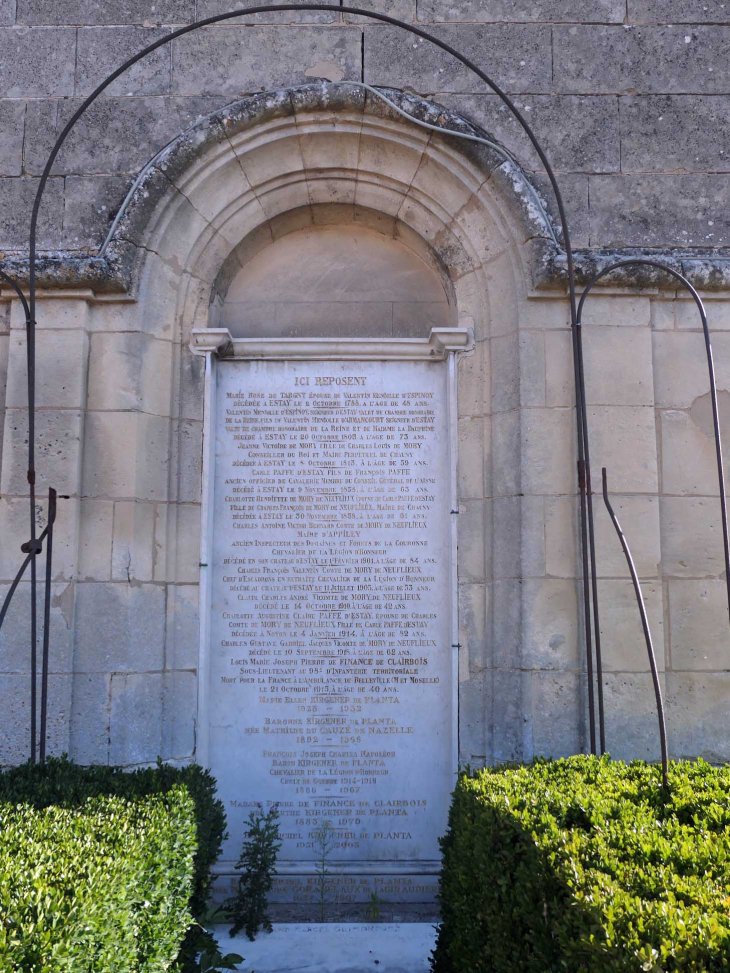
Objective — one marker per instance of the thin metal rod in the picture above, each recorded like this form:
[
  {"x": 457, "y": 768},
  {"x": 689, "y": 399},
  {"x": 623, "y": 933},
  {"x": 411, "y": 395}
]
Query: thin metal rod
[
  {"x": 713, "y": 386},
  {"x": 591, "y": 543},
  {"x": 645, "y": 626},
  {"x": 47, "y": 623},
  {"x": 30, "y": 349},
  {"x": 586, "y": 597}
]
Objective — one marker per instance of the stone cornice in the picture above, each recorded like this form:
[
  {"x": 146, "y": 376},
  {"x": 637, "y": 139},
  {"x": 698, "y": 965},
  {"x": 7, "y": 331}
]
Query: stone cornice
[{"x": 436, "y": 347}]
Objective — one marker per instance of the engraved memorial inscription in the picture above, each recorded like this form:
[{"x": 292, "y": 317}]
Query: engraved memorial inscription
[{"x": 330, "y": 680}]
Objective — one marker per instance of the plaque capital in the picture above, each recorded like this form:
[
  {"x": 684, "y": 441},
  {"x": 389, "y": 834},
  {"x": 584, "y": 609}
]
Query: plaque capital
[
  {"x": 436, "y": 347},
  {"x": 217, "y": 341}
]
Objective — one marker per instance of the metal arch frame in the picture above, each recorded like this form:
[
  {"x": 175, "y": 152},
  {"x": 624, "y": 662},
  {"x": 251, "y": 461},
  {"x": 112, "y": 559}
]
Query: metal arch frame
[
  {"x": 586, "y": 512},
  {"x": 713, "y": 390}
]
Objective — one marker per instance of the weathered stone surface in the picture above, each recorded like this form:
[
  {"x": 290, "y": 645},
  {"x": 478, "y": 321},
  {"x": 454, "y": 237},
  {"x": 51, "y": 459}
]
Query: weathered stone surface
[
  {"x": 404, "y": 10},
  {"x": 99, "y": 12},
  {"x": 687, "y": 315},
  {"x": 698, "y": 619},
  {"x": 37, "y": 63},
  {"x": 678, "y": 12},
  {"x": 559, "y": 374},
  {"x": 95, "y": 539},
  {"x": 557, "y": 713},
  {"x": 15, "y": 639},
  {"x": 623, "y": 647},
  {"x": 618, "y": 366},
  {"x": 240, "y": 59},
  {"x": 472, "y": 540},
  {"x": 114, "y": 135},
  {"x": 511, "y": 691},
  {"x": 549, "y": 628},
  {"x": 129, "y": 371},
  {"x": 518, "y": 548},
  {"x": 113, "y": 443},
  {"x": 213, "y": 8},
  {"x": 629, "y": 310},
  {"x": 61, "y": 369},
  {"x": 688, "y": 695},
  {"x": 12, "y": 121},
  {"x": 16, "y": 203},
  {"x": 681, "y": 370},
  {"x": 101, "y": 50},
  {"x": 183, "y": 627},
  {"x": 517, "y": 57},
  {"x": 135, "y": 728},
  {"x": 475, "y": 733},
  {"x": 623, "y": 439},
  {"x": 632, "y": 725},
  {"x": 133, "y": 541},
  {"x": 691, "y": 537},
  {"x": 548, "y": 464},
  {"x": 90, "y": 204},
  {"x": 495, "y": 11},
  {"x": 89, "y": 730},
  {"x": 560, "y": 536},
  {"x": 58, "y": 441},
  {"x": 15, "y": 726},
  {"x": 179, "y": 719},
  {"x": 660, "y": 210},
  {"x": 689, "y": 463},
  {"x": 472, "y": 630},
  {"x": 574, "y": 190},
  {"x": 613, "y": 59},
  {"x": 578, "y": 134},
  {"x": 131, "y": 638},
  {"x": 674, "y": 132},
  {"x": 471, "y": 458},
  {"x": 7, "y": 13},
  {"x": 639, "y": 518}
]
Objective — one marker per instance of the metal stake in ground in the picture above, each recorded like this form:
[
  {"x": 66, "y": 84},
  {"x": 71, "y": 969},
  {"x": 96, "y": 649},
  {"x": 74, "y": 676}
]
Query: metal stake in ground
[{"x": 645, "y": 626}]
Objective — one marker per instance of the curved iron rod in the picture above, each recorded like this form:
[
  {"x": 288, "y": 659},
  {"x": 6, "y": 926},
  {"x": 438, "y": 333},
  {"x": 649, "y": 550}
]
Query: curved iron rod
[
  {"x": 270, "y": 8},
  {"x": 18, "y": 578},
  {"x": 713, "y": 388},
  {"x": 16, "y": 287},
  {"x": 645, "y": 626}
]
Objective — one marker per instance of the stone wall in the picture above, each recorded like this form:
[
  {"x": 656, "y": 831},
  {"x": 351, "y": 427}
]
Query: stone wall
[
  {"x": 627, "y": 95},
  {"x": 631, "y": 112}
]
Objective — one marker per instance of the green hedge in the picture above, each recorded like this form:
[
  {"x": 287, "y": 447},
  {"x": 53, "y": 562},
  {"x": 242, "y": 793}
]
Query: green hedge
[
  {"x": 100, "y": 852},
  {"x": 585, "y": 864}
]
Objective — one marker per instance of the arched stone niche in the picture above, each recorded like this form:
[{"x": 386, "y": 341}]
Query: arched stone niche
[
  {"x": 245, "y": 184},
  {"x": 336, "y": 277}
]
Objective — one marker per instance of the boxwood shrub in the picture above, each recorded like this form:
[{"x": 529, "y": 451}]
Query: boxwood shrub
[
  {"x": 100, "y": 862},
  {"x": 586, "y": 864}
]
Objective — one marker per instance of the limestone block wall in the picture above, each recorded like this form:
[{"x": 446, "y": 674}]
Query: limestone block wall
[
  {"x": 626, "y": 94},
  {"x": 628, "y": 97}
]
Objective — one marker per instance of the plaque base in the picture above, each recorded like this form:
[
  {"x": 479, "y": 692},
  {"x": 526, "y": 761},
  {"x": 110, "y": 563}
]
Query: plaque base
[{"x": 404, "y": 886}]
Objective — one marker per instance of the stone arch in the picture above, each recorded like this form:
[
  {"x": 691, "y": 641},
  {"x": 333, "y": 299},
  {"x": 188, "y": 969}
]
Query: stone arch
[
  {"x": 252, "y": 172},
  {"x": 242, "y": 181}
]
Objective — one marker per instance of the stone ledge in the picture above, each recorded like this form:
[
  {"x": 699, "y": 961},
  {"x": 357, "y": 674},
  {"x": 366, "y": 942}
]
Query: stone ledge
[{"x": 705, "y": 270}]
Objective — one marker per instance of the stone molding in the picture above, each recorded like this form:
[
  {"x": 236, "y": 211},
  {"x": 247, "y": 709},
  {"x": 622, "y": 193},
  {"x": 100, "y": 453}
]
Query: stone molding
[
  {"x": 440, "y": 343},
  {"x": 117, "y": 268}
]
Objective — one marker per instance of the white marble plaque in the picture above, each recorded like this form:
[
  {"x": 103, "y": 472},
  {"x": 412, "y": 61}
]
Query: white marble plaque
[{"x": 330, "y": 684}]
